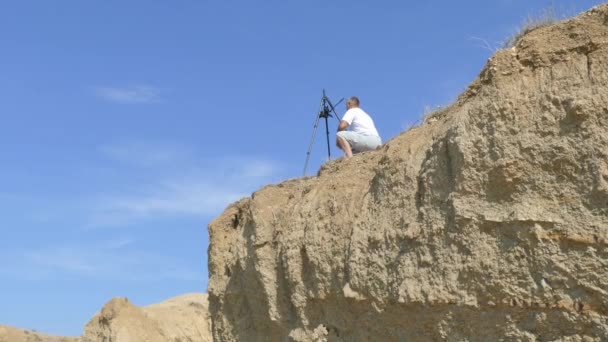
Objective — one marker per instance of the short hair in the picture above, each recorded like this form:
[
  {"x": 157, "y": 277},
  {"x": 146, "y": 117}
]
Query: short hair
[{"x": 354, "y": 99}]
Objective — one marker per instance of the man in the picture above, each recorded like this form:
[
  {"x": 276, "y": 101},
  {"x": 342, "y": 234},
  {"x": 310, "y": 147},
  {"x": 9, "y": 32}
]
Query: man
[{"x": 362, "y": 136}]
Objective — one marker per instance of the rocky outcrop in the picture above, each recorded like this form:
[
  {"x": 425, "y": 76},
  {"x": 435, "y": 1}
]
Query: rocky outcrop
[
  {"x": 488, "y": 222},
  {"x": 10, "y": 334},
  {"x": 180, "y": 319}
]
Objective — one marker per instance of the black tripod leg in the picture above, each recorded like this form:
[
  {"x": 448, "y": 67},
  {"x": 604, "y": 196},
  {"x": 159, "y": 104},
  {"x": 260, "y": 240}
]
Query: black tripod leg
[
  {"x": 314, "y": 133},
  {"x": 333, "y": 108},
  {"x": 327, "y": 132}
]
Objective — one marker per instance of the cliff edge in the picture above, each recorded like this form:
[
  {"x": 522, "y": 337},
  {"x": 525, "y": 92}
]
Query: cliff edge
[{"x": 488, "y": 222}]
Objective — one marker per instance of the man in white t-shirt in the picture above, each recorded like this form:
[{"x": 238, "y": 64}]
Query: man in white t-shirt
[{"x": 362, "y": 135}]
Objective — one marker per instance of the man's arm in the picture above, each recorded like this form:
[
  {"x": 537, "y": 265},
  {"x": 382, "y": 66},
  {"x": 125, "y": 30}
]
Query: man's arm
[{"x": 341, "y": 127}]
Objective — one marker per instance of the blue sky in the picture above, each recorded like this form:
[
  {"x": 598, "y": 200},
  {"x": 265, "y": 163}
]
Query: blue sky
[{"x": 126, "y": 126}]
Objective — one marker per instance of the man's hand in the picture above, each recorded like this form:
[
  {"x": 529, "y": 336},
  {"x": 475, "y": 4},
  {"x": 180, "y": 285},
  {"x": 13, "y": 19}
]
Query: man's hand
[{"x": 343, "y": 126}]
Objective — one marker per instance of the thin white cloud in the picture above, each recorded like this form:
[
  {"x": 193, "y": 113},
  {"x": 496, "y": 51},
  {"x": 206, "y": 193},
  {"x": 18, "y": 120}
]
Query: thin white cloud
[
  {"x": 142, "y": 182},
  {"x": 259, "y": 168},
  {"x": 117, "y": 244},
  {"x": 147, "y": 154},
  {"x": 132, "y": 94},
  {"x": 102, "y": 261},
  {"x": 174, "y": 198},
  {"x": 66, "y": 259},
  {"x": 193, "y": 187}
]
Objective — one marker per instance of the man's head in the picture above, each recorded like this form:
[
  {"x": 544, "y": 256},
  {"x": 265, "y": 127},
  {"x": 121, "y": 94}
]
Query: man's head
[{"x": 352, "y": 102}]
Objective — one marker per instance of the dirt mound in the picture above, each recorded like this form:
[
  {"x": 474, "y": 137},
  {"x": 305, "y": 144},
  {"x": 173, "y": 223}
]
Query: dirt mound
[
  {"x": 10, "y": 334},
  {"x": 489, "y": 222},
  {"x": 183, "y": 318}
]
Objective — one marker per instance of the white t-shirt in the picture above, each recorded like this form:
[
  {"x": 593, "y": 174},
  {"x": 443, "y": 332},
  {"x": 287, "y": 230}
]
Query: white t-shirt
[{"x": 360, "y": 122}]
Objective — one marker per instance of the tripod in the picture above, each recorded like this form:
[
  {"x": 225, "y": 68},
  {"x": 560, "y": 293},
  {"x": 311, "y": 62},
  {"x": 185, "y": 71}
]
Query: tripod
[{"x": 325, "y": 111}]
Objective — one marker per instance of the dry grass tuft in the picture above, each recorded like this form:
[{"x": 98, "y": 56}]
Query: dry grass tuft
[{"x": 546, "y": 17}]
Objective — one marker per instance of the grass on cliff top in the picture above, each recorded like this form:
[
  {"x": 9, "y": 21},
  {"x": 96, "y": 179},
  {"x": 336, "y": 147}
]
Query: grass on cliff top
[
  {"x": 429, "y": 114},
  {"x": 546, "y": 17}
]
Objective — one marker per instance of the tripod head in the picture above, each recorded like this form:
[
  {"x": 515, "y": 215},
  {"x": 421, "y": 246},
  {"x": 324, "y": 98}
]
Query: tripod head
[
  {"x": 328, "y": 107},
  {"x": 325, "y": 111}
]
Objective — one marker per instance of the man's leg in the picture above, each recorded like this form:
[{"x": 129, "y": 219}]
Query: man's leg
[{"x": 344, "y": 146}]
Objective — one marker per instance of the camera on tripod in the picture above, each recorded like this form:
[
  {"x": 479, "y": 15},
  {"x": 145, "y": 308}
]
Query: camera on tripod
[{"x": 325, "y": 111}]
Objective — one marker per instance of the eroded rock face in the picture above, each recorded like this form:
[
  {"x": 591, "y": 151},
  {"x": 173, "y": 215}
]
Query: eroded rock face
[
  {"x": 180, "y": 319},
  {"x": 488, "y": 222}
]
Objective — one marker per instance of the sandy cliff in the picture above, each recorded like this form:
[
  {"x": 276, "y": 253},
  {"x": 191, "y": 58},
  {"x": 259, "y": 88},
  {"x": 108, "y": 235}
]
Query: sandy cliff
[{"x": 488, "y": 222}]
